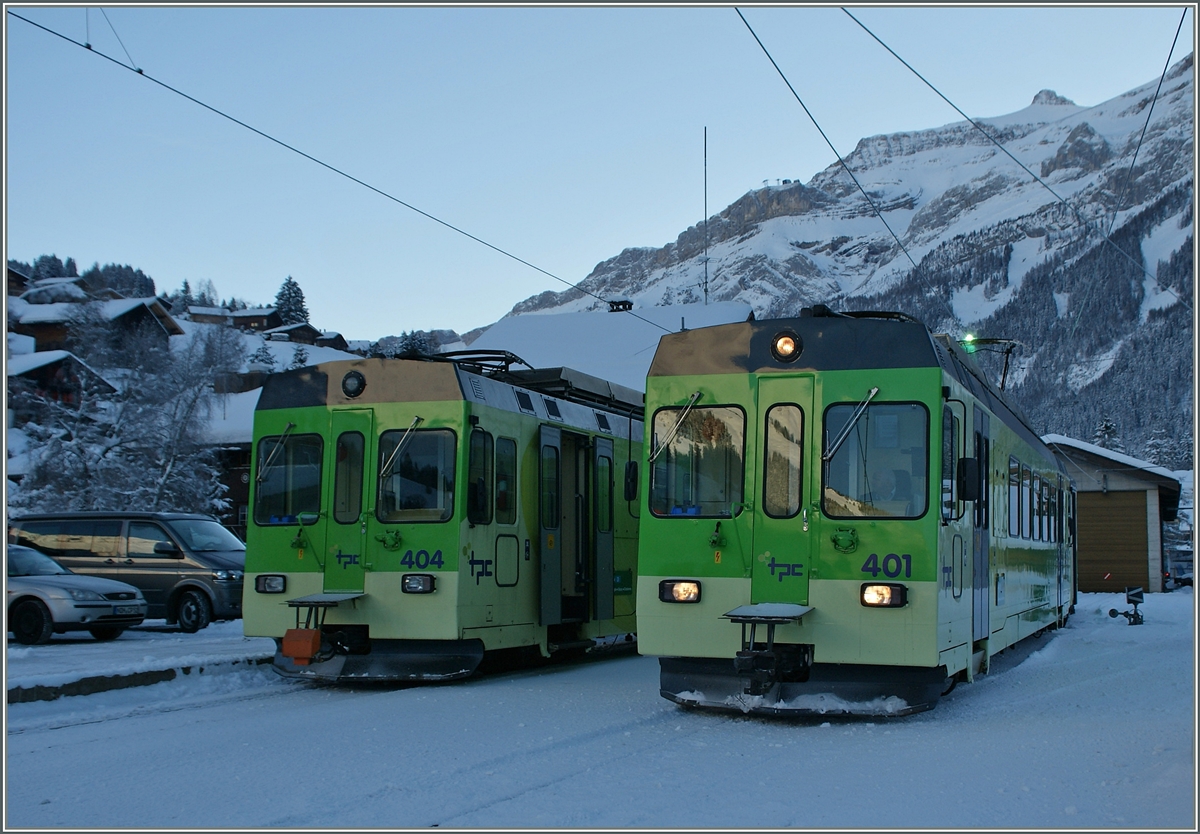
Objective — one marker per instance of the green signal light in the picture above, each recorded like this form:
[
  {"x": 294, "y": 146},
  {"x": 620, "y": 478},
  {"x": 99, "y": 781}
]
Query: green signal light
[{"x": 969, "y": 343}]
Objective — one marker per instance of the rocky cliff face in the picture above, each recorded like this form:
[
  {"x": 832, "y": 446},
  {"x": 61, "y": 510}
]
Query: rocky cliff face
[{"x": 1090, "y": 270}]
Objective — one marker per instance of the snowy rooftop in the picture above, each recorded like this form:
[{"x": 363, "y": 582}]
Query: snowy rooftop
[
  {"x": 1100, "y": 451},
  {"x": 252, "y": 311},
  {"x": 25, "y": 362}
]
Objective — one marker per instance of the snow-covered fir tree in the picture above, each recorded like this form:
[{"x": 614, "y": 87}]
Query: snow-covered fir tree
[
  {"x": 1108, "y": 435},
  {"x": 299, "y": 357},
  {"x": 263, "y": 356},
  {"x": 289, "y": 303}
]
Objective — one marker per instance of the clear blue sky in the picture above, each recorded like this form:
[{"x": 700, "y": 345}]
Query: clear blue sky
[{"x": 562, "y": 135}]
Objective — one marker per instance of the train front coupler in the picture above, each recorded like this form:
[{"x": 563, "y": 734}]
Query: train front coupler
[{"x": 762, "y": 668}]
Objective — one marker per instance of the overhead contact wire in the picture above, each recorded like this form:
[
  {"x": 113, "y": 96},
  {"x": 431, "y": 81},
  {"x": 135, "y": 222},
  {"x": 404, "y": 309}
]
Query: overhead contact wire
[
  {"x": 329, "y": 167},
  {"x": 1129, "y": 178},
  {"x": 842, "y": 162},
  {"x": 1078, "y": 215},
  {"x": 132, "y": 64}
]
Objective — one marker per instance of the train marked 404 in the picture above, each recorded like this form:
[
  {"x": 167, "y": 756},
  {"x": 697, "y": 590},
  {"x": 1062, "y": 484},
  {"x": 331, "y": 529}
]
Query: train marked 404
[
  {"x": 926, "y": 526},
  {"x": 409, "y": 515}
]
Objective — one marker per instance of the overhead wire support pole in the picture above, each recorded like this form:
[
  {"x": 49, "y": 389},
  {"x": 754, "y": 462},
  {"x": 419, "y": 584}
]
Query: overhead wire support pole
[
  {"x": 706, "y": 215},
  {"x": 325, "y": 165},
  {"x": 842, "y": 162},
  {"x": 1078, "y": 214}
]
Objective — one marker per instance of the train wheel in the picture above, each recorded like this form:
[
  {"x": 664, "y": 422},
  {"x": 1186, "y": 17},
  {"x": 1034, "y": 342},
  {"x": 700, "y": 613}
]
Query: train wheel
[
  {"x": 31, "y": 622},
  {"x": 949, "y": 685},
  {"x": 106, "y": 633},
  {"x": 194, "y": 612}
]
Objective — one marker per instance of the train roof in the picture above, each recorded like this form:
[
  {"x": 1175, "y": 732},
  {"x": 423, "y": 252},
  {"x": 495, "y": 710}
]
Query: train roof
[
  {"x": 440, "y": 377},
  {"x": 829, "y": 341}
]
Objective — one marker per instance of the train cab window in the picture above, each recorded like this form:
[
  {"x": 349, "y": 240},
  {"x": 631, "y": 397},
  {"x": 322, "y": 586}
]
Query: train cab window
[
  {"x": 701, "y": 469},
  {"x": 480, "y": 474},
  {"x": 289, "y": 478},
  {"x": 1014, "y": 497},
  {"x": 348, "y": 478},
  {"x": 506, "y": 481},
  {"x": 881, "y": 467},
  {"x": 1026, "y": 502},
  {"x": 783, "y": 461},
  {"x": 416, "y": 476}
]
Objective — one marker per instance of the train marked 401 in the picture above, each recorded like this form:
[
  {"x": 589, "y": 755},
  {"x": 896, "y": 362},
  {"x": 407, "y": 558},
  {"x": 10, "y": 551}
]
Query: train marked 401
[{"x": 901, "y": 486}]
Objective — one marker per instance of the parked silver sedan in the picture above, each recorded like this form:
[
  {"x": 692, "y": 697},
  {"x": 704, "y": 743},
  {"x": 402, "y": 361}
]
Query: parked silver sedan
[{"x": 45, "y": 598}]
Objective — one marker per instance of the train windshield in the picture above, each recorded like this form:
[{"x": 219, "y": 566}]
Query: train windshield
[
  {"x": 417, "y": 483},
  {"x": 882, "y": 467},
  {"x": 702, "y": 469},
  {"x": 289, "y": 478}
]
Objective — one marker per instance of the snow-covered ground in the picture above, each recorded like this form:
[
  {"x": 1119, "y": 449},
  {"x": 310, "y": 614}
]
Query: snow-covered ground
[{"x": 1089, "y": 727}]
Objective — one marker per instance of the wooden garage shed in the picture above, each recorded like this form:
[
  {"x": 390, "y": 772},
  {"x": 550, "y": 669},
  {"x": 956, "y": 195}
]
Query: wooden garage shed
[{"x": 1123, "y": 503}]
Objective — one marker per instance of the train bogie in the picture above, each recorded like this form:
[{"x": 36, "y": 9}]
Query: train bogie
[{"x": 410, "y": 515}]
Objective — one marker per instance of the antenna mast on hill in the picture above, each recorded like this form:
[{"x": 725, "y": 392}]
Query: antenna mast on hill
[{"x": 705, "y": 258}]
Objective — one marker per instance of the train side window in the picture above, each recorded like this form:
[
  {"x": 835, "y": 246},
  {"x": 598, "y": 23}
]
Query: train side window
[
  {"x": 416, "y": 482},
  {"x": 480, "y": 474},
  {"x": 289, "y": 478},
  {"x": 1053, "y": 513},
  {"x": 604, "y": 494},
  {"x": 1014, "y": 497},
  {"x": 783, "y": 463},
  {"x": 348, "y": 478},
  {"x": 549, "y": 493},
  {"x": 506, "y": 481},
  {"x": 1045, "y": 514},
  {"x": 1026, "y": 502},
  {"x": 952, "y": 429}
]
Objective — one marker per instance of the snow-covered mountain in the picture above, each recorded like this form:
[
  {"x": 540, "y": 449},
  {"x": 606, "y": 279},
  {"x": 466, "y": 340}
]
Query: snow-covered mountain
[{"x": 996, "y": 252}]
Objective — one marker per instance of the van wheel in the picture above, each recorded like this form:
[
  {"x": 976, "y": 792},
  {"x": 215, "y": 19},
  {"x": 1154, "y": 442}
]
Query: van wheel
[
  {"x": 194, "y": 612},
  {"x": 106, "y": 632},
  {"x": 31, "y": 623}
]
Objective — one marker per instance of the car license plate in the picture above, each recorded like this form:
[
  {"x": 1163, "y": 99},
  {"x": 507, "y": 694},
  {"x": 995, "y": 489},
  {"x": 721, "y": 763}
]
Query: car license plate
[{"x": 125, "y": 609}]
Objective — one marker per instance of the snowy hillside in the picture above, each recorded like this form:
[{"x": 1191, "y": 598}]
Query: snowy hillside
[{"x": 997, "y": 252}]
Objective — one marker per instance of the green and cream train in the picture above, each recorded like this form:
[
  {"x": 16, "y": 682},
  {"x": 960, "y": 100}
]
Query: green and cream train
[
  {"x": 843, "y": 516},
  {"x": 409, "y": 515}
]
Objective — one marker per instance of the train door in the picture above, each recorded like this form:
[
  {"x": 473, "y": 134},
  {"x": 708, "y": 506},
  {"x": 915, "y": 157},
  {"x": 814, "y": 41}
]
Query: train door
[
  {"x": 981, "y": 543},
  {"x": 346, "y": 516},
  {"x": 564, "y": 487},
  {"x": 785, "y": 528},
  {"x": 602, "y": 515}
]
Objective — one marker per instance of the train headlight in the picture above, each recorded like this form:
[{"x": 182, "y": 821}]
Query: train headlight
[
  {"x": 270, "y": 583},
  {"x": 786, "y": 346},
  {"x": 417, "y": 583},
  {"x": 353, "y": 384},
  {"x": 676, "y": 590},
  {"x": 888, "y": 595}
]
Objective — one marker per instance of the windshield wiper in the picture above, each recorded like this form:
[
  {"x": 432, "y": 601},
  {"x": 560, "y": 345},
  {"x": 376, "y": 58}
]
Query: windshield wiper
[
  {"x": 671, "y": 434},
  {"x": 262, "y": 470},
  {"x": 387, "y": 467},
  {"x": 841, "y": 438}
]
